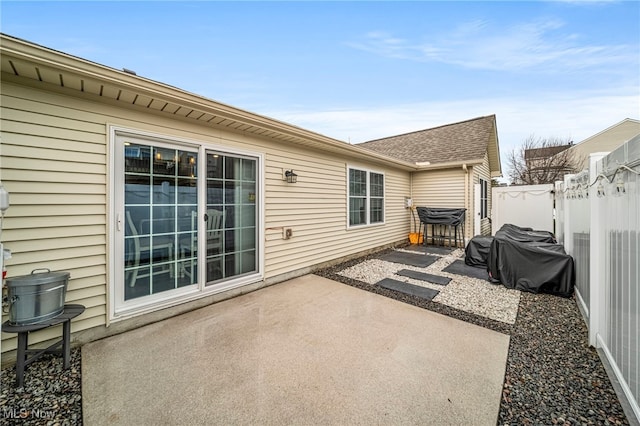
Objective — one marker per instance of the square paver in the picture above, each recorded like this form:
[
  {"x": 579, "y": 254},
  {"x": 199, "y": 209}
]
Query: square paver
[
  {"x": 406, "y": 288},
  {"x": 413, "y": 259},
  {"x": 423, "y": 276},
  {"x": 460, "y": 268}
]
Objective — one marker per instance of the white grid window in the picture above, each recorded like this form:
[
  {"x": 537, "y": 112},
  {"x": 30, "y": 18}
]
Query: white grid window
[
  {"x": 366, "y": 197},
  {"x": 484, "y": 200}
]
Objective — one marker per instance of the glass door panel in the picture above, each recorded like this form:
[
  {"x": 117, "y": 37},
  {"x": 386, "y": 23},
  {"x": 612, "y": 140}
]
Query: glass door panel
[
  {"x": 160, "y": 206},
  {"x": 231, "y": 216}
]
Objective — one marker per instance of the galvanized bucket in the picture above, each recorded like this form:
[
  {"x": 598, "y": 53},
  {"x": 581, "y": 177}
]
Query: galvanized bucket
[{"x": 36, "y": 297}]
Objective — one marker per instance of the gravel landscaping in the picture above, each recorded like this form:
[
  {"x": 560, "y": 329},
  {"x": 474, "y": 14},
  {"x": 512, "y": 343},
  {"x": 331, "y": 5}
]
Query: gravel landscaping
[
  {"x": 552, "y": 376},
  {"x": 467, "y": 294},
  {"x": 51, "y": 395}
]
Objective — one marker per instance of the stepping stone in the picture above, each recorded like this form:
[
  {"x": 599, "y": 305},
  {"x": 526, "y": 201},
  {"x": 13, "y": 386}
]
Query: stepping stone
[
  {"x": 410, "y": 289},
  {"x": 423, "y": 276},
  {"x": 460, "y": 268},
  {"x": 439, "y": 250},
  {"x": 413, "y": 259}
]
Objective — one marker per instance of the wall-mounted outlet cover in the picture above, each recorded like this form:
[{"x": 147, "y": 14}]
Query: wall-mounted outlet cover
[
  {"x": 408, "y": 202},
  {"x": 287, "y": 233}
]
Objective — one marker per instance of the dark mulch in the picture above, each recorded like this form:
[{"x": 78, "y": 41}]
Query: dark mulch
[
  {"x": 553, "y": 376},
  {"x": 51, "y": 395}
]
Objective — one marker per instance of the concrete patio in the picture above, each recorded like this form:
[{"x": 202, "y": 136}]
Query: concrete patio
[{"x": 306, "y": 351}]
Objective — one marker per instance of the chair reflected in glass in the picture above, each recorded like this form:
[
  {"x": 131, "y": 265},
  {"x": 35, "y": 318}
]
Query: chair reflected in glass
[
  {"x": 139, "y": 266},
  {"x": 189, "y": 245}
]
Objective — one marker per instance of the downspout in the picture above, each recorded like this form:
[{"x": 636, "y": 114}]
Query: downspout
[
  {"x": 411, "y": 185},
  {"x": 412, "y": 208},
  {"x": 466, "y": 200}
]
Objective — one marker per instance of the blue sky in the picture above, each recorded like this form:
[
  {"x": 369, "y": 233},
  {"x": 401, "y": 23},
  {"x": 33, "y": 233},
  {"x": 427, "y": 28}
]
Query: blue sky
[{"x": 358, "y": 71}]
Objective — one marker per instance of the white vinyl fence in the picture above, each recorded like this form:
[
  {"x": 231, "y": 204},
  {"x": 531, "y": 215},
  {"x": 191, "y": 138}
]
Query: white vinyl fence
[
  {"x": 522, "y": 205},
  {"x": 598, "y": 221}
]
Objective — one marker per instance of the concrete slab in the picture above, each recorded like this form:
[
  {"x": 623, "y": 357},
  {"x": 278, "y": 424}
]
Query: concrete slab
[{"x": 306, "y": 351}]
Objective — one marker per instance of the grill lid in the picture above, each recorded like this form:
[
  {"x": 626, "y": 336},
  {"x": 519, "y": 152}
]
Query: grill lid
[{"x": 45, "y": 276}]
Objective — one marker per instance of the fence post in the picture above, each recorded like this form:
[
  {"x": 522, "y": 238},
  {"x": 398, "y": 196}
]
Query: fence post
[
  {"x": 568, "y": 240},
  {"x": 558, "y": 212},
  {"x": 598, "y": 300}
]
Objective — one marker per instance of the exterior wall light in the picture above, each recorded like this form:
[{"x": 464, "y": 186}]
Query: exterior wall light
[{"x": 290, "y": 176}]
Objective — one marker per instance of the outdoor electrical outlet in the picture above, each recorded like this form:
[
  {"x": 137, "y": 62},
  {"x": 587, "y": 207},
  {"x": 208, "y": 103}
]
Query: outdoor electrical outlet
[{"x": 287, "y": 233}]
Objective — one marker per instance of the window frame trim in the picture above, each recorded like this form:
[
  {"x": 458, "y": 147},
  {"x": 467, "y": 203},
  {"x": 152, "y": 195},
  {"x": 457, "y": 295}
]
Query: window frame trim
[
  {"x": 368, "y": 197},
  {"x": 484, "y": 201}
]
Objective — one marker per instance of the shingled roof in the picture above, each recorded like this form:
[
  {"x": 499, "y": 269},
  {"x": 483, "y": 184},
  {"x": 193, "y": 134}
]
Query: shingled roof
[{"x": 466, "y": 141}]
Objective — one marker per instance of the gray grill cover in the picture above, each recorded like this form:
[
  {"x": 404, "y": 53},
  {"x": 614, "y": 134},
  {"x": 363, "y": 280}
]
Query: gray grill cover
[
  {"x": 477, "y": 251},
  {"x": 535, "y": 267},
  {"x": 524, "y": 235}
]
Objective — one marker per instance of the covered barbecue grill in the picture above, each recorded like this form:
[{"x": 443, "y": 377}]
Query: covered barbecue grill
[
  {"x": 524, "y": 259},
  {"x": 442, "y": 220}
]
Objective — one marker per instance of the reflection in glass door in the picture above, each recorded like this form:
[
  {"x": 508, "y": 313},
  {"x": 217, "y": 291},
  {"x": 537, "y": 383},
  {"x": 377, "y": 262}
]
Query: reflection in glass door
[
  {"x": 231, "y": 216},
  {"x": 160, "y": 219}
]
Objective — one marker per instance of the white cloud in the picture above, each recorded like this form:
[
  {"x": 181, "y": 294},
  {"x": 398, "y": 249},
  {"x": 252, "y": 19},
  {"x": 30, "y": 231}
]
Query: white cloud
[
  {"x": 538, "y": 44},
  {"x": 576, "y": 116}
]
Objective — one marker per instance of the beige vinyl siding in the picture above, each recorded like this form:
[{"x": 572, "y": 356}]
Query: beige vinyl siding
[
  {"x": 605, "y": 141},
  {"x": 440, "y": 188},
  {"x": 57, "y": 214},
  {"x": 482, "y": 171},
  {"x": 316, "y": 210},
  {"x": 53, "y": 161}
]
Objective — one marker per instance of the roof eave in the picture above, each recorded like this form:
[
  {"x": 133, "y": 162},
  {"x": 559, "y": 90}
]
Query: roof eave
[
  {"x": 495, "y": 161},
  {"x": 12, "y": 47},
  {"x": 450, "y": 164}
]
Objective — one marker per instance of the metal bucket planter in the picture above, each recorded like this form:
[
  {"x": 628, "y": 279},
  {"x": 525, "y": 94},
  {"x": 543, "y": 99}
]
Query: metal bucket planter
[{"x": 36, "y": 297}]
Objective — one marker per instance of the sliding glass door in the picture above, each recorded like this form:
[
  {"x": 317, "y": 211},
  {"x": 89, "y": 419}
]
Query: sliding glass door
[{"x": 186, "y": 219}]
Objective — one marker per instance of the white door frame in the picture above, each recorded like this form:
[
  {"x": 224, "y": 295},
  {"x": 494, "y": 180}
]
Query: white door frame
[{"x": 116, "y": 201}]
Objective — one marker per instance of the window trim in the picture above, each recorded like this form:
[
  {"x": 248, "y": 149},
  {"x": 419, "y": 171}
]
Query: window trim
[
  {"x": 368, "y": 197},
  {"x": 484, "y": 198},
  {"x": 116, "y": 311}
]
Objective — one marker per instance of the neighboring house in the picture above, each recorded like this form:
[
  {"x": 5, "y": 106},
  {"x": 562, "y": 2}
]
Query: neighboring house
[
  {"x": 159, "y": 201},
  {"x": 605, "y": 141},
  {"x": 543, "y": 165},
  {"x": 537, "y": 158},
  {"x": 456, "y": 164}
]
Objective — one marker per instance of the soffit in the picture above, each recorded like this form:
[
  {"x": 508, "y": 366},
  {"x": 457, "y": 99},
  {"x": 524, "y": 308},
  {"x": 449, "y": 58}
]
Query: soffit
[{"x": 38, "y": 64}]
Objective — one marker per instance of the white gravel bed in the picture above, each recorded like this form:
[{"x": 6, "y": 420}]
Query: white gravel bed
[{"x": 467, "y": 294}]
